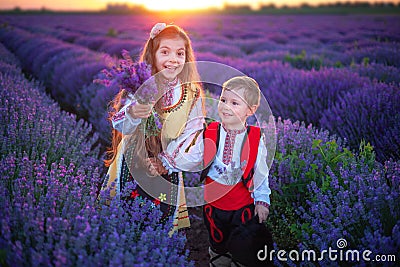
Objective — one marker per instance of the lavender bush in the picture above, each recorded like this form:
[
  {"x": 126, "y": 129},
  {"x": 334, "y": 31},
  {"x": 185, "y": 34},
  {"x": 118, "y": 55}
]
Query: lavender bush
[
  {"x": 7, "y": 57},
  {"x": 358, "y": 205},
  {"x": 379, "y": 72},
  {"x": 9, "y": 64},
  {"x": 56, "y": 60},
  {"x": 115, "y": 46},
  {"x": 296, "y": 164},
  {"x": 303, "y": 61},
  {"x": 51, "y": 215},
  {"x": 34, "y": 124},
  {"x": 353, "y": 43},
  {"x": 322, "y": 192},
  {"x": 385, "y": 53},
  {"x": 91, "y": 42},
  {"x": 370, "y": 113},
  {"x": 67, "y": 35},
  {"x": 97, "y": 95},
  {"x": 304, "y": 95},
  {"x": 9, "y": 69}
]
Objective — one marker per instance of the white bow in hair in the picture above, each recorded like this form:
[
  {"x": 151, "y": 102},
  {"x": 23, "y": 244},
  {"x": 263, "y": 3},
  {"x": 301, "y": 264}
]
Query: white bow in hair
[{"x": 157, "y": 29}]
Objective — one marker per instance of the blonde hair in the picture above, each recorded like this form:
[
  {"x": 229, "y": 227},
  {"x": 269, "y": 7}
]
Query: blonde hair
[
  {"x": 189, "y": 74},
  {"x": 249, "y": 85}
]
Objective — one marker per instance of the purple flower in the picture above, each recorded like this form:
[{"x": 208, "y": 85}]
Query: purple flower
[
  {"x": 49, "y": 187},
  {"x": 133, "y": 77}
]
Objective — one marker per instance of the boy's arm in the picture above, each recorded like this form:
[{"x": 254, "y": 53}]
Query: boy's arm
[
  {"x": 261, "y": 185},
  {"x": 122, "y": 121},
  {"x": 184, "y": 155},
  {"x": 261, "y": 191}
]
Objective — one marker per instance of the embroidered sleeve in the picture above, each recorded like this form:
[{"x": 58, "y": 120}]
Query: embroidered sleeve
[
  {"x": 262, "y": 190},
  {"x": 184, "y": 154},
  {"x": 122, "y": 121},
  {"x": 262, "y": 203},
  {"x": 118, "y": 116}
]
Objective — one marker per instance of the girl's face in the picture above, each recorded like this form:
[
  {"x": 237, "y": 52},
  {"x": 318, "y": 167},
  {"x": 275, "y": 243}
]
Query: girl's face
[
  {"x": 233, "y": 110},
  {"x": 170, "y": 57}
]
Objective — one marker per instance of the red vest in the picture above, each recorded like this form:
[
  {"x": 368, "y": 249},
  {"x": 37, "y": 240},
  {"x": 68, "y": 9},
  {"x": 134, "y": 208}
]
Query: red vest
[{"x": 230, "y": 197}]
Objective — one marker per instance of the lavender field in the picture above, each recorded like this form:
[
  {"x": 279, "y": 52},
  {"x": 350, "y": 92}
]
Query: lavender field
[{"x": 332, "y": 82}]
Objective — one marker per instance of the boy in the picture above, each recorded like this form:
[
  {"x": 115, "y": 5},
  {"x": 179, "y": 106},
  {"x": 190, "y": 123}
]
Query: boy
[{"x": 233, "y": 158}]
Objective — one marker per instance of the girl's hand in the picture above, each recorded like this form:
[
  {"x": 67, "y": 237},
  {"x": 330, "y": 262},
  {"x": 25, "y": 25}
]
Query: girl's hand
[
  {"x": 156, "y": 167},
  {"x": 140, "y": 111},
  {"x": 262, "y": 212}
]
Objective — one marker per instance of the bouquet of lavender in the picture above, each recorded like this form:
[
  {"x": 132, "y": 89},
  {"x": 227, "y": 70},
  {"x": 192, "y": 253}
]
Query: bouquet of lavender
[
  {"x": 136, "y": 79},
  {"x": 131, "y": 76}
]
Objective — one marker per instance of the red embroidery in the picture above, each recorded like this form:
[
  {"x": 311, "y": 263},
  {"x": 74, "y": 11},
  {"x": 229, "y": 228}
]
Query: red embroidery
[
  {"x": 118, "y": 116},
  {"x": 229, "y": 144},
  {"x": 262, "y": 203},
  {"x": 134, "y": 194},
  {"x": 245, "y": 212},
  {"x": 168, "y": 96},
  {"x": 176, "y": 151},
  {"x": 171, "y": 158},
  {"x": 156, "y": 201},
  {"x": 216, "y": 234}
]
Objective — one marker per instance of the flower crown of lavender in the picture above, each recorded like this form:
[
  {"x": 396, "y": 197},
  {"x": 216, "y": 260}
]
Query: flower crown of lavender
[{"x": 159, "y": 27}]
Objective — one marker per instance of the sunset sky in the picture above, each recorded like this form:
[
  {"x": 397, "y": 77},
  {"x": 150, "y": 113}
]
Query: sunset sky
[{"x": 155, "y": 4}]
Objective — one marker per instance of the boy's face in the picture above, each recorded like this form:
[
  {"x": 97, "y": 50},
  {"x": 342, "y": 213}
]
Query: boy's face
[{"x": 233, "y": 110}]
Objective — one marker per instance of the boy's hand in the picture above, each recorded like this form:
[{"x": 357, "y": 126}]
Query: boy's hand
[
  {"x": 155, "y": 167},
  {"x": 262, "y": 212}
]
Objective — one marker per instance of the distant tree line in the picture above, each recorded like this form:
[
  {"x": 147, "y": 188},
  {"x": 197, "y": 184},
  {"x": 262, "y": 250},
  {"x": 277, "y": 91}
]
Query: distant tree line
[{"x": 348, "y": 4}]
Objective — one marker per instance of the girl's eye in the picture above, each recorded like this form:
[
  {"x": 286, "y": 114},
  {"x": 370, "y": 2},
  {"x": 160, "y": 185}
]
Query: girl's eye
[
  {"x": 222, "y": 100},
  {"x": 235, "y": 103},
  {"x": 181, "y": 54},
  {"x": 164, "y": 52}
]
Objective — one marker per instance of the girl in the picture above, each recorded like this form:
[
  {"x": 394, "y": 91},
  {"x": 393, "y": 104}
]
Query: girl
[{"x": 180, "y": 109}]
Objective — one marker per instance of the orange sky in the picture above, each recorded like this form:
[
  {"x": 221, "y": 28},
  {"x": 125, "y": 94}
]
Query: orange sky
[{"x": 155, "y": 4}]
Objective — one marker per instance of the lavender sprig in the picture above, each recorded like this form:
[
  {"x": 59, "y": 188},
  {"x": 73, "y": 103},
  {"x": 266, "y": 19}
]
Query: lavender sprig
[{"x": 134, "y": 77}]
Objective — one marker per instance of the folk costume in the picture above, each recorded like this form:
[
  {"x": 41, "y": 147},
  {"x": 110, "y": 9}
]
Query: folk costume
[
  {"x": 180, "y": 110},
  {"x": 236, "y": 179}
]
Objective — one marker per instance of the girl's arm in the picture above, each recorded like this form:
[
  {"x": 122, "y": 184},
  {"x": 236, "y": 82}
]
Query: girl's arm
[
  {"x": 129, "y": 116},
  {"x": 261, "y": 191},
  {"x": 184, "y": 154}
]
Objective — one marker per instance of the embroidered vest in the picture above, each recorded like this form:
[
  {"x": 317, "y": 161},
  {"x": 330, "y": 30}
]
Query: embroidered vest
[
  {"x": 176, "y": 116},
  {"x": 248, "y": 152}
]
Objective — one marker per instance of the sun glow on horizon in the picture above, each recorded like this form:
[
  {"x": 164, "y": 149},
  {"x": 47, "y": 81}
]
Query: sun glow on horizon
[
  {"x": 171, "y": 5},
  {"x": 163, "y": 5}
]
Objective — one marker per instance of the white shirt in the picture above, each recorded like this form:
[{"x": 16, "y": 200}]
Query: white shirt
[
  {"x": 180, "y": 158},
  {"x": 123, "y": 122}
]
